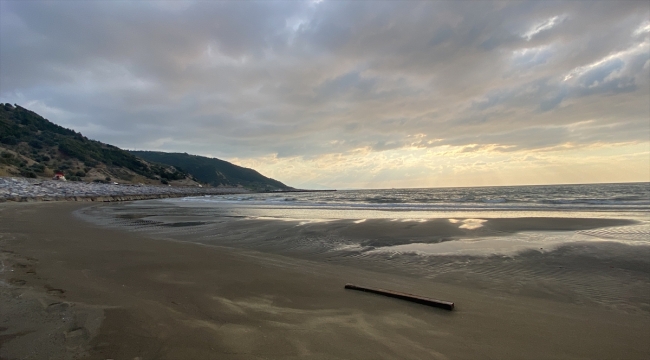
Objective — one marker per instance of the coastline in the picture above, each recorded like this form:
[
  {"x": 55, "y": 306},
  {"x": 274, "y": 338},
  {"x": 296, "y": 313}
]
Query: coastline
[
  {"x": 31, "y": 190},
  {"x": 23, "y": 190},
  {"x": 85, "y": 291},
  {"x": 103, "y": 198}
]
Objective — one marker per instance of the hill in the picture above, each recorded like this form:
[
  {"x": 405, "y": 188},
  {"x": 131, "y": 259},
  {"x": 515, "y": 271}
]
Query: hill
[
  {"x": 213, "y": 171},
  {"x": 32, "y": 146}
]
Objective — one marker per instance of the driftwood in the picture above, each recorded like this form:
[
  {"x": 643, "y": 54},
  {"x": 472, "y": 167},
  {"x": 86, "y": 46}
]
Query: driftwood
[{"x": 404, "y": 296}]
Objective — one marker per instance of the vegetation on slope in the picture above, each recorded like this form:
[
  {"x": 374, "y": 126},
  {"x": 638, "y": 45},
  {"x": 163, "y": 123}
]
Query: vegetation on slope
[
  {"x": 32, "y": 146},
  {"x": 214, "y": 171}
]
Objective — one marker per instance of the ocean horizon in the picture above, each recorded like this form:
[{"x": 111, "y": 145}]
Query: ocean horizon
[{"x": 599, "y": 196}]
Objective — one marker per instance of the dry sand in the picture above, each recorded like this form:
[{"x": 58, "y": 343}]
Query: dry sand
[{"x": 73, "y": 290}]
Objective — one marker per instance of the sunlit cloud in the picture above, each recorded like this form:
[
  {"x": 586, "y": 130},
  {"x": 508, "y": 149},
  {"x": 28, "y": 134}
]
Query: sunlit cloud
[
  {"x": 453, "y": 166},
  {"x": 543, "y": 26},
  {"x": 644, "y": 28},
  {"x": 613, "y": 60}
]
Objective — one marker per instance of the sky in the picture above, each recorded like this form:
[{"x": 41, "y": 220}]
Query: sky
[{"x": 348, "y": 94}]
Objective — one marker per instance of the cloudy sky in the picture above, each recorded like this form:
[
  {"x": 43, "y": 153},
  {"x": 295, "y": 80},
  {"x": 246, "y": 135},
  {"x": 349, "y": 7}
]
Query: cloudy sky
[{"x": 348, "y": 94}]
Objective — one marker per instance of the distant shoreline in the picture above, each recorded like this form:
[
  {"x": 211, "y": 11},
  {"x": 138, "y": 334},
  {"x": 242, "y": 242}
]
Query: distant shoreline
[{"x": 26, "y": 190}]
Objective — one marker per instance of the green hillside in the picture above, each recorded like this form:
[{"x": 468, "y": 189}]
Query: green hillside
[
  {"x": 213, "y": 171},
  {"x": 32, "y": 146}
]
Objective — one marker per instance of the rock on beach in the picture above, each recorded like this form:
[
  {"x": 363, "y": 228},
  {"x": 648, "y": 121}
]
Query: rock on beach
[{"x": 24, "y": 190}]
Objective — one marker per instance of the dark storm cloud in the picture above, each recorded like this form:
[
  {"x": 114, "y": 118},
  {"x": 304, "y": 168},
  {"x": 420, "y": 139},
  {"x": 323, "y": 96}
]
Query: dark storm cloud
[{"x": 306, "y": 78}]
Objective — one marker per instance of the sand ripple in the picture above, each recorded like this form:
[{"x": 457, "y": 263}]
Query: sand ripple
[{"x": 631, "y": 233}]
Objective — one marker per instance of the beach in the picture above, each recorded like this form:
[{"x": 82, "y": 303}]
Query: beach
[{"x": 73, "y": 289}]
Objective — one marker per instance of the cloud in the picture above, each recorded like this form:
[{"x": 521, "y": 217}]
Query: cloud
[
  {"x": 306, "y": 80},
  {"x": 529, "y": 57},
  {"x": 611, "y": 62},
  {"x": 543, "y": 26},
  {"x": 644, "y": 28}
]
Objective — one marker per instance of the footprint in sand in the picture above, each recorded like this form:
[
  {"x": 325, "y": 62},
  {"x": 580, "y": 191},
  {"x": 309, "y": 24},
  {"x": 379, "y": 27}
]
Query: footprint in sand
[
  {"x": 57, "y": 307},
  {"x": 54, "y": 291},
  {"x": 78, "y": 333},
  {"x": 17, "y": 282}
]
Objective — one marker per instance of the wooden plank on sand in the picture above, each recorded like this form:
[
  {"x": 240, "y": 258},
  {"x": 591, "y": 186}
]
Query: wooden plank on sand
[{"x": 404, "y": 296}]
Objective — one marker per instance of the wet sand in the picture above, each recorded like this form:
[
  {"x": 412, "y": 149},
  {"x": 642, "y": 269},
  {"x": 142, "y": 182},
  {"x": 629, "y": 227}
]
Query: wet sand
[{"x": 72, "y": 289}]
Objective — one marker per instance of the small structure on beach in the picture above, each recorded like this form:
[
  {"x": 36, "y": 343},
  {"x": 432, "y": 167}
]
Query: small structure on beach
[{"x": 59, "y": 176}]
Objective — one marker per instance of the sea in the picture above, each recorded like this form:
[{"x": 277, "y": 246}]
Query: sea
[
  {"x": 589, "y": 243},
  {"x": 588, "y": 197}
]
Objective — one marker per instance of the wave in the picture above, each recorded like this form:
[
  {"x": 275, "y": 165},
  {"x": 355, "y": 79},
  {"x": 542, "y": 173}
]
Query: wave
[
  {"x": 488, "y": 204},
  {"x": 494, "y": 201},
  {"x": 634, "y": 197}
]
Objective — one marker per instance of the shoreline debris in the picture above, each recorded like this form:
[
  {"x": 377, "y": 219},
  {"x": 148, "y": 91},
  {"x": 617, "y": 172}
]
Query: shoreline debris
[{"x": 447, "y": 305}]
